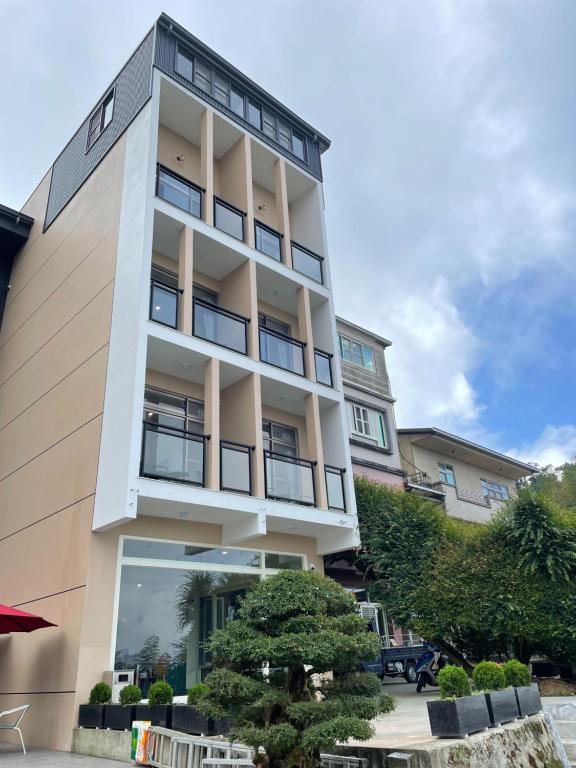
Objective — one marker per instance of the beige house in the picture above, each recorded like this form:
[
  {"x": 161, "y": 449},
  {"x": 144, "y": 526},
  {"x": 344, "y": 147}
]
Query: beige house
[
  {"x": 471, "y": 481},
  {"x": 172, "y": 415}
]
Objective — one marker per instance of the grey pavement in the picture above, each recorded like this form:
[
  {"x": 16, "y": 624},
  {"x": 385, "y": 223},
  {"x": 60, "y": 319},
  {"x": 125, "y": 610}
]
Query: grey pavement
[{"x": 11, "y": 755}]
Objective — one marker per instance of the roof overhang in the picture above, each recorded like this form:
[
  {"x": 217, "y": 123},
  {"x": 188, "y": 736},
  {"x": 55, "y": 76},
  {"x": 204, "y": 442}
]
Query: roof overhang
[
  {"x": 464, "y": 450},
  {"x": 14, "y": 230},
  {"x": 365, "y": 331}
]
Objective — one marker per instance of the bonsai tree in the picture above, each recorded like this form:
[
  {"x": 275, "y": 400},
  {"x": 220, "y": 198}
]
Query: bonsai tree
[
  {"x": 101, "y": 693},
  {"x": 453, "y": 683},
  {"x": 160, "y": 693},
  {"x": 130, "y": 694},
  {"x": 489, "y": 676},
  {"x": 270, "y": 671}
]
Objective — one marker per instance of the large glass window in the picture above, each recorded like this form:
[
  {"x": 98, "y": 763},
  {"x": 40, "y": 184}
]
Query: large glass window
[
  {"x": 446, "y": 473},
  {"x": 494, "y": 490},
  {"x": 357, "y": 353}
]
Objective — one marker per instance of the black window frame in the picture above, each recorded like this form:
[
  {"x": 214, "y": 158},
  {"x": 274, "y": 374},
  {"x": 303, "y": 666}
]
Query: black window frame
[{"x": 100, "y": 113}]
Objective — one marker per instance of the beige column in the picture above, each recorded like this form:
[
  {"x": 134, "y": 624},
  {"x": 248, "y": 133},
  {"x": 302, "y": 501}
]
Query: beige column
[
  {"x": 305, "y": 331},
  {"x": 207, "y": 163},
  {"x": 185, "y": 271},
  {"x": 212, "y": 422},
  {"x": 314, "y": 437},
  {"x": 282, "y": 209},
  {"x": 249, "y": 223}
]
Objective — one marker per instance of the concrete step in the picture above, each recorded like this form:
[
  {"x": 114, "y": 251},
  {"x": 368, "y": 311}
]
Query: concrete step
[
  {"x": 567, "y": 728},
  {"x": 570, "y": 747}
]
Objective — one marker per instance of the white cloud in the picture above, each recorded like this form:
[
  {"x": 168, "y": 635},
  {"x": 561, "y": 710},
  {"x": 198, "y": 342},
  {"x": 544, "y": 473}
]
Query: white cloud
[{"x": 555, "y": 446}]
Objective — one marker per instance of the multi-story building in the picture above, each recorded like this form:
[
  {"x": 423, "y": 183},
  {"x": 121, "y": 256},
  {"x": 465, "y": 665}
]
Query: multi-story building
[
  {"x": 173, "y": 425},
  {"x": 470, "y": 481}
]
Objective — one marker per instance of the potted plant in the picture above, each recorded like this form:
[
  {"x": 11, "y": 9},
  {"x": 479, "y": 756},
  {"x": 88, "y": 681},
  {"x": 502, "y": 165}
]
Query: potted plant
[
  {"x": 186, "y": 718},
  {"x": 159, "y": 707},
  {"x": 91, "y": 715},
  {"x": 458, "y": 713},
  {"x": 527, "y": 694},
  {"x": 489, "y": 678},
  {"x": 119, "y": 717}
]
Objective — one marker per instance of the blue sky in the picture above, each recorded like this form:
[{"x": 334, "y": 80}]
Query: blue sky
[{"x": 450, "y": 184}]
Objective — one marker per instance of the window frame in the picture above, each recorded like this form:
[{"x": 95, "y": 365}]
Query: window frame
[
  {"x": 362, "y": 421},
  {"x": 342, "y": 337},
  {"x": 445, "y": 469},
  {"x": 491, "y": 489},
  {"x": 271, "y": 423},
  {"x": 99, "y": 114},
  {"x": 186, "y": 414}
]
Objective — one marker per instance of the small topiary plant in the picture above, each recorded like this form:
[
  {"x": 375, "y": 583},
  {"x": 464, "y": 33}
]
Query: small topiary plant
[
  {"x": 516, "y": 673},
  {"x": 160, "y": 693},
  {"x": 196, "y": 693},
  {"x": 100, "y": 694},
  {"x": 130, "y": 694},
  {"x": 453, "y": 683},
  {"x": 489, "y": 676}
]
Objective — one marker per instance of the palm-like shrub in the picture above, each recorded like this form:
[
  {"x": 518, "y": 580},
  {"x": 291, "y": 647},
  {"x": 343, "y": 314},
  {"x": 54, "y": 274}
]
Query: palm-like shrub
[
  {"x": 489, "y": 676},
  {"x": 130, "y": 694},
  {"x": 101, "y": 693},
  {"x": 160, "y": 693},
  {"x": 453, "y": 683},
  {"x": 516, "y": 673}
]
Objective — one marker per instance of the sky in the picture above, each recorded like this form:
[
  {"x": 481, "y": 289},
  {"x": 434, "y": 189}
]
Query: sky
[{"x": 450, "y": 185}]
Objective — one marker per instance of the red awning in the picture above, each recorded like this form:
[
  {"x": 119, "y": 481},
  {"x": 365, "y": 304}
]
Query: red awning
[{"x": 13, "y": 620}]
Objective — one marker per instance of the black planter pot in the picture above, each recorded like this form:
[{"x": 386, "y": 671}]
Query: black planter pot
[
  {"x": 528, "y": 698},
  {"x": 220, "y": 727},
  {"x": 187, "y": 719},
  {"x": 160, "y": 715},
  {"x": 502, "y": 706},
  {"x": 117, "y": 717},
  {"x": 456, "y": 718},
  {"x": 91, "y": 716}
]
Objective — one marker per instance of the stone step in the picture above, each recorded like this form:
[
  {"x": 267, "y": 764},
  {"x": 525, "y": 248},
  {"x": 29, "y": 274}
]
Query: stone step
[
  {"x": 566, "y": 728},
  {"x": 570, "y": 747}
]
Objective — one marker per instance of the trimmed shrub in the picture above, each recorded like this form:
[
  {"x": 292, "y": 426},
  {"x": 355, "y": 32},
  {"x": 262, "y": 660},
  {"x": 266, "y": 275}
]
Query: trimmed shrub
[
  {"x": 196, "y": 692},
  {"x": 160, "y": 693},
  {"x": 489, "y": 676},
  {"x": 453, "y": 683},
  {"x": 516, "y": 673},
  {"x": 100, "y": 694},
  {"x": 130, "y": 694}
]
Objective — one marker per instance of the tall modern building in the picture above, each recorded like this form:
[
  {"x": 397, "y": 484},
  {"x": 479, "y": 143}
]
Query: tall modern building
[{"x": 172, "y": 416}]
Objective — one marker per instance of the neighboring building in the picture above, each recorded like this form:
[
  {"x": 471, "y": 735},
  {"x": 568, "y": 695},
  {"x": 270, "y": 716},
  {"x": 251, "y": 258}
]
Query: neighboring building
[
  {"x": 172, "y": 418},
  {"x": 470, "y": 481},
  {"x": 369, "y": 404}
]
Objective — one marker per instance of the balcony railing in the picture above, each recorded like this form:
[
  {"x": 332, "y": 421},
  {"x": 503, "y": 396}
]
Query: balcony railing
[
  {"x": 236, "y": 467},
  {"x": 323, "y": 361},
  {"x": 335, "y": 487},
  {"x": 178, "y": 191},
  {"x": 225, "y": 328},
  {"x": 229, "y": 219},
  {"x": 169, "y": 453},
  {"x": 164, "y": 304},
  {"x": 420, "y": 478},
  {"x": 289, "y": 479},
  {"x": 307, "y": 262},
  {"x": 282, "y": 351},
  {"x": 268, "y": 241}
]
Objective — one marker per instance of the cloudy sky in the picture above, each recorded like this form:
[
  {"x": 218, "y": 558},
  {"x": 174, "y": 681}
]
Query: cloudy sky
[{"x": 450, "y": 183}]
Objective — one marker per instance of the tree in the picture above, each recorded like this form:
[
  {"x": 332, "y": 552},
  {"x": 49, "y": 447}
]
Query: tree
[
  {"x": 149, "y": 654},
  {"x": 270, "y": 665}
]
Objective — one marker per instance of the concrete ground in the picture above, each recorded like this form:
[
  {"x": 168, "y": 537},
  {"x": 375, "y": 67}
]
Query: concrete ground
[{"x": 11, "y": 757}]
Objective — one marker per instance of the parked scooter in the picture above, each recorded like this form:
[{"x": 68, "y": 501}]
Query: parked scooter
[{"x": 427, "y": 668}]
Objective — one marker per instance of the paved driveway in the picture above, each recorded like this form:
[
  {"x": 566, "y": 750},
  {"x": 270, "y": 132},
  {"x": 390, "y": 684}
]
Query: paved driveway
[{"x": 42, "y": 758}]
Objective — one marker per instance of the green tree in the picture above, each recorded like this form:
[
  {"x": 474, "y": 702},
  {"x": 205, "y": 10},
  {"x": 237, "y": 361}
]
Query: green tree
[
  {"x": 269, "y": 671},
  {"x": 149, "y": 654}
]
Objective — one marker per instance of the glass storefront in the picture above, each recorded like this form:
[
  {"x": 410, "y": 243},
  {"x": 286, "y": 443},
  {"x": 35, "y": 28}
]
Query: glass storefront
[{"x": 172, "y": 596}]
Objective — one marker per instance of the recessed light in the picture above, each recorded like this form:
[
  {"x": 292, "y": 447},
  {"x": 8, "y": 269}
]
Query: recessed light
[
  {"x": 186, "y": 366},
  {"x": 138, "y": 586},
  {"x": 157, "y": 308}
]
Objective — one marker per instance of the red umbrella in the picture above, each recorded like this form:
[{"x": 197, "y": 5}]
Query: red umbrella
[{"x": 13, "y": 620}]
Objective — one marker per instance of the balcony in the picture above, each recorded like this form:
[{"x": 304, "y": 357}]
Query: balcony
[
  {"x": 178, "y": 191},
  {"x": 335, "y": 488},
  {"x": 229, "y": 219},
  {"x": 164, "y": 304},
  {"x": 282, "y": 351},
  {"x": 222, "y": 327},
  {"x": 236, "y": 467},
  {"x": 268, "y": 241},
  {"x": 169, "y": 453},
  {"x": 323, "y": 363},
  {"x": 289, "y": 479},
  {"x": 307, "y": 263}
]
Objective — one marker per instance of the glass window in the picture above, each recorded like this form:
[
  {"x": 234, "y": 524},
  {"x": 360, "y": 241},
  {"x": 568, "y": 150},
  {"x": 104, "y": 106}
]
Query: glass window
[
  {"x": 299, "y": 146},
  {"x": 279, "y": 438},
  {"x": 164, "y": 276},
  {"x": 101, "y": 118},
  {"x": 274, "y": 325},
  {"x": 184, "y": 66},
  {"x": 494, "y": 490},
  {"x": 221, "y": 90},
  {"x": 108, "y": 109},
  {"x": 254, "y": 115},
  {"x": 361, "y": 420},
  {"x": 284, "y": 562},
  {"x": 202, "y": 76},
  {"x": 170, "y": 410},
  {"x": 210, "y": 297},
  {"x": 228, "y": 219},
  {"x": 268, "y": 242},
  {"x": 357, "y": 353},
  {"x": 446, "y": 473},
  {"x": 187, "y": 553},
  {"x": 285, "y": 135},
  {"x": 179, "y": 192},
  {"x": 269, "y": 125},
  {"x": 236, "y": 102}
]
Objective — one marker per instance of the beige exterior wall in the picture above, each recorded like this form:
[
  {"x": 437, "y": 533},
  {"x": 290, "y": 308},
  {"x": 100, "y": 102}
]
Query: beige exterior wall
[
  {"x": 53, "y": 358},
  {"x": 171, "y": 146}
]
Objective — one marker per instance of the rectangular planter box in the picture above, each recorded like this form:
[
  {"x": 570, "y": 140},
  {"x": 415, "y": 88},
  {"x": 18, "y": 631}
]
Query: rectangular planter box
[
  {"x": 91, "y": 716},
  {"x": 456, "y": 718},
  {"x": 187, "y": 719},
  {"x": 118, "y": 717},
  {"x": 220, "y": 727},
  {"x": 160, "y": 715},
  {"x": 528, "y": 698},
  {"x": 502, "y": 706}
]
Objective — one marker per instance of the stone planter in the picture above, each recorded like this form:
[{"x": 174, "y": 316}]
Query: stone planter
[
  {"x": 502, "y": 706},
  {"x": 528, "y": 698},
  {"x": 91, "y": 716},
  {"x": 160, "y": 715},
  {"x": 187, "y": 719},
  {"x": 118, "y": 717},
  {"x": 456, "y": 718}
]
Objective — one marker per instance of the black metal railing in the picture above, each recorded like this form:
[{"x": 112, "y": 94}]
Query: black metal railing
[
  {"x": 419, "y": 478},
  {"x": 307, "y": 262},
  {"x": 323, "y": 362},
  {"x": 179, "y": 191},
  {"x": 221, "y": 326},
  {"x": 236, "y": 467},
  {"x": 335, "y": 487},
  {"x": 169, "y": 453},
  {"x": 288, "y": 478},
  {"x": 229, "y": 219},
  {"x": 282, "y": 351},
  {"x": 268, "y": 241}
]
